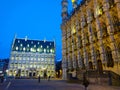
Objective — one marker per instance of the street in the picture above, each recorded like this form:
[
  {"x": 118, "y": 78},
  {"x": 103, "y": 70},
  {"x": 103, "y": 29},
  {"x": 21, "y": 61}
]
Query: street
[{"x": 32, "y": 84}]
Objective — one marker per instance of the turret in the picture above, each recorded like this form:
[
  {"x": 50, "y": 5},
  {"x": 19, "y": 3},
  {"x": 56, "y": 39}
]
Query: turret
[
  {"x": 74, "y": 3},
  {"x": 64, "y": 10}
]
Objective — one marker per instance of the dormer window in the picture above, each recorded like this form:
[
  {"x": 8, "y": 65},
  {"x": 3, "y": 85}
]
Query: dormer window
[
  {"x": 28, "y": 45},
  {"x": 18, "y": 41},
  {"x": 38, "y": 42},
  {"x": 31, "y": 42}
]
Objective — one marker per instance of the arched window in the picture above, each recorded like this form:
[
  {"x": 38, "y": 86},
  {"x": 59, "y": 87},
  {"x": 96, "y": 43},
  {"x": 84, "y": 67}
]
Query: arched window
[
  {"x": 116, "y": 23},
  {"x": 80, "y": 41},
  {"x": 90, "y": 65},
  {"x": 83, "y": 64},
  {"x": 110, "y": 62},
  {"x": 94, "y": 34},
  {"x": 111, "y": 3},
  {"x": 119, "y": 48},
  {"x": 104, "y": 29},
  {"x": 98, "y": 54},
  {"x": 99, "y": 66},
  {"x": 87, "y": 38}
]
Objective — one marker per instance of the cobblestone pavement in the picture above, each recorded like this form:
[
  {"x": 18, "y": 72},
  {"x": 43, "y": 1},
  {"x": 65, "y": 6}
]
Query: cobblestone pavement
[{"x": 32, "y": 84}]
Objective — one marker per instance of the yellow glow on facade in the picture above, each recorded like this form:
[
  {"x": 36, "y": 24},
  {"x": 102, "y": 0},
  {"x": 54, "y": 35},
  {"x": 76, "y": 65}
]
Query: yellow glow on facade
[
  {"x": 73, "y": 1},
  {"x": 73, "y": 30}
]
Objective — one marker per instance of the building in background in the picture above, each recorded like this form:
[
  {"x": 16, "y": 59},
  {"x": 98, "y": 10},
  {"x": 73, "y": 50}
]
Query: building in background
[
  {"x": 3, "y": 66},
  {"x": 30, "y": 58},
  {"x": 90, "y": 36}
]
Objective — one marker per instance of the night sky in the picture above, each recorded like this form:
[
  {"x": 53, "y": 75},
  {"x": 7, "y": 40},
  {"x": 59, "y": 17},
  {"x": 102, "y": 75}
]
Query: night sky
[{"x": 36, "y": 19}]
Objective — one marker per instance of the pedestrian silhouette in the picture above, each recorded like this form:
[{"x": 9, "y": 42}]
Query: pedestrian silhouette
[
  {"x": 48, "y": 78},
  {"x": 39, "y": 79}
]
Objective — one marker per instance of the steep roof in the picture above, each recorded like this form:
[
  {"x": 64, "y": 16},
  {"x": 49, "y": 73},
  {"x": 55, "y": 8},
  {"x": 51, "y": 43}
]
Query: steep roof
[{"x": 26, "y": 45}]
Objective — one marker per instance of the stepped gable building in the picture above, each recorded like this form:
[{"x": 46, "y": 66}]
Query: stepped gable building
[
  {"x": 91, "y": 36},
  {"x": 30, "y": 58}
]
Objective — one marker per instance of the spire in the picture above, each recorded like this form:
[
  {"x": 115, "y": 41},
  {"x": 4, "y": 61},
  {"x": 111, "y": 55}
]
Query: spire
[
  {"x": 74, "y": 3},
  {"x": 64, "y": 10}
]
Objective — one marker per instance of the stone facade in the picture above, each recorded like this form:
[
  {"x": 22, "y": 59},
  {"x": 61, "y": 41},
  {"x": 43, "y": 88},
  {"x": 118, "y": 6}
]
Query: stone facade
[
  {"x": 90, "y": 36},
  {"x": 31, "y": 58}
]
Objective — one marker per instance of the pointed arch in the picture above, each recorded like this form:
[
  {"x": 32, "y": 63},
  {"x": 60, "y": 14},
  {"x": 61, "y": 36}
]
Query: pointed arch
[
  {"x": 109, "y": 58},
  {"x": 99, "y": 66}
]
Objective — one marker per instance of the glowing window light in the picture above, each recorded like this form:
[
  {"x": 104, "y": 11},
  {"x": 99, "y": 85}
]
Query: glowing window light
[
  {"x": 73, "y": 1},
  {"x": 73, "y": 30},
  {"x": 24, "y": 49},
  {"x": 34, "y": 45},
  {"x": 28, "y": 45},
  {"x": 31, "y": 49},
  {"x": 41, "y": 46},
  {"x": 44, "y": 50},
  {"x": 38, "y": 50},
  {"x": 21, "y": 45},
  {"x": 16, "y": 48},
  {"x": 51, "y": 50}
]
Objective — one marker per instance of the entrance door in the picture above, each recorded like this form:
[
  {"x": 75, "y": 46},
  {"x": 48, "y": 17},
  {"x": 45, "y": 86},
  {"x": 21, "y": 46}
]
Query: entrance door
[
  {"x": 99, "y": 66},
  {"x": 30, "y": 74},
  {"x": 34, "y": 74}
]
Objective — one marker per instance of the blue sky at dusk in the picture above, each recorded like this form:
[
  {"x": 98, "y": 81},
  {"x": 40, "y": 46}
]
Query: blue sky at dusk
[{"x": 36, "y": 19}]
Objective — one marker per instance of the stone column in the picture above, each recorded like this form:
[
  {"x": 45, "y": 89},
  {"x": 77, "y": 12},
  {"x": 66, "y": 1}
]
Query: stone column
[
  {"x": 99, "y": 34},
  {"x": 89, "y": 20},
  {"x": 110, "y": 30},
  {"x": 117, "y": 2},
  {"x": 83, "y": 39}
]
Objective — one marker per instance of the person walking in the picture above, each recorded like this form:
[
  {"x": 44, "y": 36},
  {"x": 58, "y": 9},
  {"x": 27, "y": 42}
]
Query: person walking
[
  {"x": 39, "y": 79},
  {"x": 49, "y": 78}
]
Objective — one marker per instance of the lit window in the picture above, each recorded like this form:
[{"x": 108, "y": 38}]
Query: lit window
[
  {"x": 16, "y": 48},
  {"x": 24, "y": 49},
  {"x": 32, "y": 42},
  {"x": 51, "y": 50},
  {"x": 44, "y": 50},
  {"x": 42, "y": 59},
  {"x": 47, "y": 46},
  {"x": 73, "y": 1},
  {"x": 34, "y": 45},
  {"x": 38, "y": 50},
  {"x": 73, "y": 30},
  {"x": 38, "y": 42},
  {"x": 28, "y": 45},
  {"x": 31, "y": 49},
  {"x": 12, "y": 58},
  {"x": 99, "y": 11},
  {"x": 21, "y": 45},
  {"x": 41, "y": 46},
  {"x": 48, "y": 50},
  {"x": 18, "y": 41}
]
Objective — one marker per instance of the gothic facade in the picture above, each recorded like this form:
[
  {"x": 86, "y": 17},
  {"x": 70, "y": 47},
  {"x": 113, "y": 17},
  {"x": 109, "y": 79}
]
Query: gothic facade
[{"x": 91, "y": 36}]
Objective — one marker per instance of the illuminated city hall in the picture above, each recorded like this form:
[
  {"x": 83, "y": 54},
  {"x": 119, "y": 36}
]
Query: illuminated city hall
[
  {"x": 31, "y": 58},
  {"x": 91, "y": 36}
]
